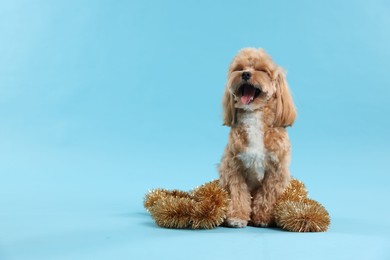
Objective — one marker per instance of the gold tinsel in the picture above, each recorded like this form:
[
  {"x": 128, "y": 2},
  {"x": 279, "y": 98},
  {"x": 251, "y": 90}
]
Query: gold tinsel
[
  {"x": 302, "y": 216},
  {"x": 295, "y": 191},
  {"x": 206, "y": 206},
  {"x": 295, "y": 212},
  {"x": 203, "y": 208}
]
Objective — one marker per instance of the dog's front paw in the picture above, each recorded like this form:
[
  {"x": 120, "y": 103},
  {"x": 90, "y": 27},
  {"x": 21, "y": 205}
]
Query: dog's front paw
[
  {"x": 236, "y": 223},
  {"x": 262, "y": 221},
  {"x": 261, "y": 224}
]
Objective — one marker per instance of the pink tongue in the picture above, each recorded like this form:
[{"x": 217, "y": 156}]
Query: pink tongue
[{"x": 247, "y": 95}]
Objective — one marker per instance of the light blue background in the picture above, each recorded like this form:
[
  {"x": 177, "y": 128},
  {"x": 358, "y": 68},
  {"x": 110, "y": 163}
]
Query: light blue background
[{"x": 102, "y": 100}]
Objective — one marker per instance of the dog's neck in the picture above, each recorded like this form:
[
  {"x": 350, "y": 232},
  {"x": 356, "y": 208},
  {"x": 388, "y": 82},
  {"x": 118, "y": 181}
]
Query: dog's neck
[
  {"x": 266, "y": 115},
  {"x": 245, "y": 117}
]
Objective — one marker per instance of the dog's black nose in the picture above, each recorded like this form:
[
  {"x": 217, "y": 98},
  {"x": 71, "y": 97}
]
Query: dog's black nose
[{"x": 246, "y": 75}]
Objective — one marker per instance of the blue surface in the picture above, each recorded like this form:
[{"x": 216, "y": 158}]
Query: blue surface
[{"x": 102, "y": 100}]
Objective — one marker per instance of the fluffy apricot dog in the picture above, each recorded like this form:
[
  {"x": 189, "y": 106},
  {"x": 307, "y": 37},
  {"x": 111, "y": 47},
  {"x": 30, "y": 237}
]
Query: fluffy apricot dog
[
  {"x": 254, "y": 170},
  {"x": 255, "y": 186}
]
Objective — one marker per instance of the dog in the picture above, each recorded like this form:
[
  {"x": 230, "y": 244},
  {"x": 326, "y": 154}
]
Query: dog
[{"x": 254, "y": 169}]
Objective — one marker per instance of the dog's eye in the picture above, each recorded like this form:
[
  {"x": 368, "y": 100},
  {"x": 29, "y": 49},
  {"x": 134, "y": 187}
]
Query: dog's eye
[
  {"x": 261, "y": 70},
  {"x": 238, "y": 68}
]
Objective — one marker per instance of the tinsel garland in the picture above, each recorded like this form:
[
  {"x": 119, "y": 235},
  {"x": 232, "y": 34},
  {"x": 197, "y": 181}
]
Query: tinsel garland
[
  {"x": 295, "y": 212},
  {"x": 205, "y": 207}
]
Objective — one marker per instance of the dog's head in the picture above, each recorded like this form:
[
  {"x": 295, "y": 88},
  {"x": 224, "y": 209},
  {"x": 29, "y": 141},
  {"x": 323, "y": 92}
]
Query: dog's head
[{"x": 254, "y": 82}]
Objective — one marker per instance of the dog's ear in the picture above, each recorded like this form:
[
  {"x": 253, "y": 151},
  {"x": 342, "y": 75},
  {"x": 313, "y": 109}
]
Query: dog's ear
[
  {"x": 229, "y": 111},
  {"x": 285, "y": 109}
]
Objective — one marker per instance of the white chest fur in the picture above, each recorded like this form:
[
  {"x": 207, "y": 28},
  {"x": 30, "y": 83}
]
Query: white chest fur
[{"x": 254, "y": 155}]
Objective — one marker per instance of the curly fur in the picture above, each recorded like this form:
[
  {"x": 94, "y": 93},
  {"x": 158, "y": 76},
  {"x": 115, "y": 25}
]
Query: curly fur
[{"x": 258, "y": 107}]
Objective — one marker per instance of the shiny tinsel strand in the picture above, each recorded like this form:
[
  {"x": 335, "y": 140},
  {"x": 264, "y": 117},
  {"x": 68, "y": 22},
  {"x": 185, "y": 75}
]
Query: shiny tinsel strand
[
  {"x": 295, "y": 191},
  {"x": 154, "y": 195},
  {"x": 203, "y": 208},
  {"x": 302, "y": 216}
]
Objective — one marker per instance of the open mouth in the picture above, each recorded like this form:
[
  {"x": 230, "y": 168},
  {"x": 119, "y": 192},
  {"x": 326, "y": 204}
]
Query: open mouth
[{"x": 248, "y": 93}]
